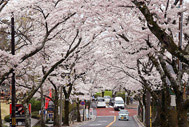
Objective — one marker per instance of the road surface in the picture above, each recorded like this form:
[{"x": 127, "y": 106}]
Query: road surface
[
  {"x": 107, "y": 117},
  {"x": 108, "y": 121}
]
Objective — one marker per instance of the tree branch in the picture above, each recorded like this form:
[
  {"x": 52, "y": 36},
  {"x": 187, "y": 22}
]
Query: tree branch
[{"x": 163, "y": 37}]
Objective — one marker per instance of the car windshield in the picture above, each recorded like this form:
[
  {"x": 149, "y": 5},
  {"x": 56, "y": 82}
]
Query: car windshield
[
  {"x": 123, "y": 112},
  {"x": 101, "y": 100},
  {"x": 119, "y": 102}
]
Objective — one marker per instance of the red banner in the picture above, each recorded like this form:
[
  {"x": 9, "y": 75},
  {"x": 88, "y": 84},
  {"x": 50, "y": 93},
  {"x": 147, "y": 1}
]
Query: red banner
[{"x": 47, "y": 99}]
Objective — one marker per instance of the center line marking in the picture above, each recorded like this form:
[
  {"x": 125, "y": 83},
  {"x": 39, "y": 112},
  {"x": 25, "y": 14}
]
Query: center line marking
[{"x": 112, "y": 122}]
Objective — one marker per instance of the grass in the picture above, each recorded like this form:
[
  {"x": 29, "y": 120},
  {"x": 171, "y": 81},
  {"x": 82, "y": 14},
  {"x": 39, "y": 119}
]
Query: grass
[
  {"x": 106, "y": 93},
  {"x": 4, "y": 110}
]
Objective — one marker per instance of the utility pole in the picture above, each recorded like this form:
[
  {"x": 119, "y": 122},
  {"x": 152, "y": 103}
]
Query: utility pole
[{"x": 13, "y": 116}]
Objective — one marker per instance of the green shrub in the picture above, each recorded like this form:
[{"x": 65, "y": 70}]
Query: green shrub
[
  {"x": 35, "y": 104},
  {"x": 35, "y": 115},
  {"x": 121, "y": 94},
  {"x": 7, "y": 118},
  {"x": 98, "y": 95},
  {"x": 108, "y": 93}
]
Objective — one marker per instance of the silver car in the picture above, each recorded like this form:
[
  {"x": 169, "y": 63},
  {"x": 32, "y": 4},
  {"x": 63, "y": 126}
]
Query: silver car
[{"x": 123, "y": 115}]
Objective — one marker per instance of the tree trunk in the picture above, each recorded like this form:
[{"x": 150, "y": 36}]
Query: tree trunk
[
  {"x": 182, "y": 118},
  {"x": 27, "y": 115},
  {"x": 66, "y": 113},
  {"x": 157, "y": 118},
  {"x": 66, "y": 104},
  {"x": 56, "y": 118},
  {"x": 1, "y": 124},
  {"x": 89, "y": 105},
  {"x": 182, "y": 112},
  {"x": 127, "y": 100},
  {"x": 102, "y": 93},
  {"x": 163, "y": 110},
  {"x": 168, "y": 116},
  {"x": 42, "y": 121},
  {"x": 147, "y": 115},
  {"x": 61, "y": 89},
  {"x": 172, "y": 116},
  {"x": 78, "y": 113}
]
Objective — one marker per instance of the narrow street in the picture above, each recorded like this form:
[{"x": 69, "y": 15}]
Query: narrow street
[
  {"x": 108, "y": 121},
  {"x": 107, "y": 117}
]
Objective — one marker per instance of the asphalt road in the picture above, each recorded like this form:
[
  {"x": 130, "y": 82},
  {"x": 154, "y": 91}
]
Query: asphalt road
[
  {"x": 108, "y": 121},
  {"x": 107, "y": 117},
  {"x": 99, "y": 122},
  {"x": 130, "y": 123}
]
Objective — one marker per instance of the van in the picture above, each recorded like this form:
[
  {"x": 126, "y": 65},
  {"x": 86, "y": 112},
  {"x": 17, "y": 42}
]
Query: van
[{"x": 118, "y": 103}]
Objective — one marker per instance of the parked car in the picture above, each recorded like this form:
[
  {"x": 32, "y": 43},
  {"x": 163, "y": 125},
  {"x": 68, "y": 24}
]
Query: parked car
[
  {"x": 101, "y": 102},
  {"x": 111, "y": 102},
  {"x": 119, "y": 103},
  {"x": 107, "y": 99},
  {"x": 123, "y": 115}
]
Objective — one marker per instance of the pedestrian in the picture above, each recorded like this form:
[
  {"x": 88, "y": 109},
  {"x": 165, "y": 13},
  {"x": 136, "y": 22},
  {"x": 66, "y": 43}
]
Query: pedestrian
[{"x": 131, "y": 99}]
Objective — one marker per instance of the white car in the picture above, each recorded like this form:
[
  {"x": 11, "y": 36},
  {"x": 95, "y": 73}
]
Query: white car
[
  {"x": 101, "y": 102},
  {"x": 118, "y": 103}
]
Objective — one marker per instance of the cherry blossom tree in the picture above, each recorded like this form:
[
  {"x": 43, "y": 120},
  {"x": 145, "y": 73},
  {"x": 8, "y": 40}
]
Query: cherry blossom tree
[
  {"x": 138, "y": 42},
  {"x": 46, "y": 23}
]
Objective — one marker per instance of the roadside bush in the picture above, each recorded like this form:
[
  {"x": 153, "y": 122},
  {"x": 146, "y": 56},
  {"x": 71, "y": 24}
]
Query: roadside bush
[
  {"x": 35, "y": 104},
  {"x": 108, "y": 93},
  {"x": 120, "y": 94},
  {"x": 7, "y": 118},
  {"x": 35, "y": 115},
  {"x": 98, "y": 95}
]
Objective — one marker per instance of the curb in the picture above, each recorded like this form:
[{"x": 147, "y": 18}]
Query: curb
[{"x": 140, "y": 124}]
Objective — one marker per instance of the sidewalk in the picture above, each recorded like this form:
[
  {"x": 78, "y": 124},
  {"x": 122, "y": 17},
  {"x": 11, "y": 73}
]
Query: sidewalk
[{"x": 33, "y": 122}]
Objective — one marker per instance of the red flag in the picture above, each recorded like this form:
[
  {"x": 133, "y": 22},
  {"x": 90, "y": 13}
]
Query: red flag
[{"x": 47, "y": 99}]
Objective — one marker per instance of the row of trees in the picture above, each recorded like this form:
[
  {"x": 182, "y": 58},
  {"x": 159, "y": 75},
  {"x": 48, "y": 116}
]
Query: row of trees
[{"x": 79, "y": 44}]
